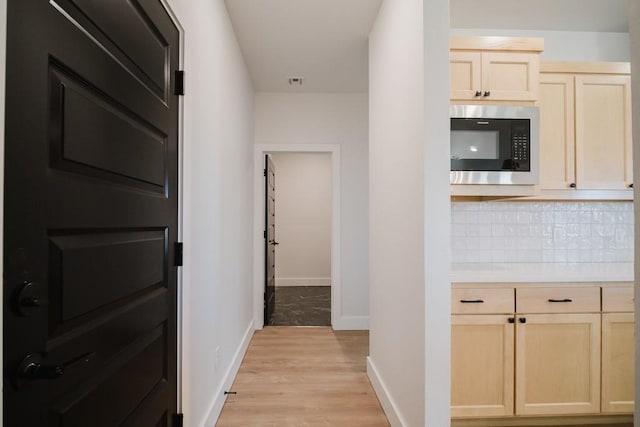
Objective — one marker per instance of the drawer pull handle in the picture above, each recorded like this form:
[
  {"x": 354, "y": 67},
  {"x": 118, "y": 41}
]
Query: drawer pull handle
[
  {"x": 560, "y": 300},
  {"x": 472, "y": 301}
]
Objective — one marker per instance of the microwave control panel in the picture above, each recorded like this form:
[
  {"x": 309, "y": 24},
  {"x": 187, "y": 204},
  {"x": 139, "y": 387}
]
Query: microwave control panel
[{"x": 520, "y": 147}]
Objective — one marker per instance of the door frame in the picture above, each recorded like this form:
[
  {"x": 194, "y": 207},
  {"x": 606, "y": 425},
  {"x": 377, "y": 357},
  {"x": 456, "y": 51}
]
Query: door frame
[
  {"x": 182, "y": 208},
  {"x": 260, "y": 150}
]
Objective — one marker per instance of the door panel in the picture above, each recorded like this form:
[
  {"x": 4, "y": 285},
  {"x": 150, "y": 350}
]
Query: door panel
[
  {"x": 270, "y": 240},
  {"x": 90, "y": 213}
]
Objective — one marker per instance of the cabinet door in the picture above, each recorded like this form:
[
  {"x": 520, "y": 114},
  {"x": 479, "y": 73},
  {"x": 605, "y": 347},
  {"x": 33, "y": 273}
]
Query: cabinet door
[
  {"x": 558, "y": 368},
  {"x": 482, "y": 356},
  {"x": 510, "y": 76},
  {"x": 465, "y": 75},
  {"x": 603, "y": 132},
  {"x": 617, "y": 362},
  {"x": 557, "y": 136}
]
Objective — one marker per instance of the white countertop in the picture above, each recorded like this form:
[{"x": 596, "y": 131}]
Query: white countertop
[{"x": 541, "y": 272}]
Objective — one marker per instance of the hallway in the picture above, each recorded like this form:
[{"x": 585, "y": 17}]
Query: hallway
[{"x": 294, "y": 376}]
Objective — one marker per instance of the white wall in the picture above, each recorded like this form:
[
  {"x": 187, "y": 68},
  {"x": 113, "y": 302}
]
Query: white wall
[
  {"x": 567, "y": 45},
  {"x": 303, "y": 219},
  {"x": 396, "y": 363},
  {"x": 308, "y": 118},
  {"x": 437, "y": 217},
  {"x": 217, "y": 194},
  {"x": 634, "y": 33}
]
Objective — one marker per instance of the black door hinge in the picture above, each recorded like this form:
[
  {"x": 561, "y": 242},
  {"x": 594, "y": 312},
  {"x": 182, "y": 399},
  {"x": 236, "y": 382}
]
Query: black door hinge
[
  {"x": 179, "y": 83},
  {"x": 265, "y": 234},
  {"x": 265, "y": 172},
  {"x": 177, "y": 254},
  {"x": 178, "y": 420}
]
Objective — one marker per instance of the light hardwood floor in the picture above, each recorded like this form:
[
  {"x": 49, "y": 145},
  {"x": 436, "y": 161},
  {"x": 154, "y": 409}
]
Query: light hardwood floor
[{"x": 295, "y": 376}]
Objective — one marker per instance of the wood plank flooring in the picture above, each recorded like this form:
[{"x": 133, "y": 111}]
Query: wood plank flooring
[{"x": 295, "y": 376}]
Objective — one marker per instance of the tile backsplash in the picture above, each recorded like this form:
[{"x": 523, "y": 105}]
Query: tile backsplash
[{"x": 542, "y": 232}]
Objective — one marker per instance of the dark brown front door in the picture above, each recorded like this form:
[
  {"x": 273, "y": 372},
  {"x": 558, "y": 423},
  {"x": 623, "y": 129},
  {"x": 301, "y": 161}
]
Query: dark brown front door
[
  {"x": 90, "y": 214},
  {"x": 270, "y": 240}
]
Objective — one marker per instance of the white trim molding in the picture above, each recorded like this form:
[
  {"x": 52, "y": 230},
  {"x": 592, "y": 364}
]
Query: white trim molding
[
  {"x": 388, "y": 404},
  {"x": 229, "y": 377},
  {"x": 303, "y": 281},
  {"x": 258, "y": 224},
  {"x": 352, "y": 323}
]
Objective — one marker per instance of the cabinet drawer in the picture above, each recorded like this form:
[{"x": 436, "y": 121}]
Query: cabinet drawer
[
  {"x": 558, "y": 299},
  {"x": 617, "y": 299},
  {"x": 482, "y": 301}
]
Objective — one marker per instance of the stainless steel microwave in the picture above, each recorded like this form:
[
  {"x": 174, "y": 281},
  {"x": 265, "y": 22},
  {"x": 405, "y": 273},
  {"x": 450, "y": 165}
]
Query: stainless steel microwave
[{"x": 495, "y": 144}]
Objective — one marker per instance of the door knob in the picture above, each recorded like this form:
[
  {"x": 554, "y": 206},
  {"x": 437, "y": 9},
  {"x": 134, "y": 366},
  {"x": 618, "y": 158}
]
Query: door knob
[{"x": 32, "y": 369}]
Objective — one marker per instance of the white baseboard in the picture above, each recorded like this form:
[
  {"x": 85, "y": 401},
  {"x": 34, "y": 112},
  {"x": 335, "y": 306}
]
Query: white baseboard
[
  {"x": 229, "y": 377},
  {"x": 388, "y": 404},
  {"x": 303, "y": 281},
  {"x": 350, "y": 323}
]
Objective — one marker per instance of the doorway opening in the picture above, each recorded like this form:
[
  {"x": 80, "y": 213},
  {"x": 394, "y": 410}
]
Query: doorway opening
[
  {"x": 297, "y": 244},
  {"x": 298, "y": 239}
]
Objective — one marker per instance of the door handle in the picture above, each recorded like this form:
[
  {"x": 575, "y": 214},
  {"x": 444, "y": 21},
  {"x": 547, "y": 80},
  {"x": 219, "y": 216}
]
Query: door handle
[
  {"x": 273, "y": 242},
  {"x": 32, "y": 369}
]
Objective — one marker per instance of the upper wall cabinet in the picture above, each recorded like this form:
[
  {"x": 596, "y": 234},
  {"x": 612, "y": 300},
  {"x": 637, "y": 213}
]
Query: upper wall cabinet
[
  {"x": 490, "y": 69},
  {"x": 585, "y": 126}
]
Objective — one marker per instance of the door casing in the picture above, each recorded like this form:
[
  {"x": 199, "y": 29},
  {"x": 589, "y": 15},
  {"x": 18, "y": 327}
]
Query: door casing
[{"x": 260, "y": 150}]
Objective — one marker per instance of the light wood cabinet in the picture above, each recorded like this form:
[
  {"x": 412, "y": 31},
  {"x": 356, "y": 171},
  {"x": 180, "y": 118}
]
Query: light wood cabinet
[
  {"x": 482, "y": 348},
  {"x": 603, "y": 132},
  {"x": 585, "y": 127},
  {"x": 534, "y": 350},
  {"x": 617, "y": 349},
  {"x": 557, "y": 131},
  {"x": 617, "y": 363},
  {"x": 494, "y": 69},
  {"x": 558, "y": 368}
]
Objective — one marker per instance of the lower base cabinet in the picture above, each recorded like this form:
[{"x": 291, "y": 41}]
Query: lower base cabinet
[
  {"x": 558, "y": 364},
  {"x": 617, "y": 363},
  {"x": 482, "y": 365},
  {"x": 533, "y": 351}
]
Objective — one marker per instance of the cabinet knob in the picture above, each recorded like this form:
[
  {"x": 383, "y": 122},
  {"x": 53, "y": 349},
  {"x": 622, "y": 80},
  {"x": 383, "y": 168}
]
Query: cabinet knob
[
  {"x": 487, "y": 93},
  {"x": 631, "y": 185},
  {"x": 522, "y": 320},
  {"x": 478, "y": 93},
  {"x": 572, "y": 185},
  {"x": 511, "y": 320}
]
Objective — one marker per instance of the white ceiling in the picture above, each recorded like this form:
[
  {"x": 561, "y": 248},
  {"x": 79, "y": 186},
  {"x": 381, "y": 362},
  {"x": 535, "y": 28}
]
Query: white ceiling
[
  {"x": 553, "y": 15},
  {"x": 325, "y": 41}
]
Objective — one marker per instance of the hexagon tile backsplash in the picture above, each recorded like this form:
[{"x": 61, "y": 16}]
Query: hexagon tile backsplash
[{"x": 541, "y": 232}]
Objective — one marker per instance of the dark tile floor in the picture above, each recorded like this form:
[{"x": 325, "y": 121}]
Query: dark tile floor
[{"x": 302, "y": 306}]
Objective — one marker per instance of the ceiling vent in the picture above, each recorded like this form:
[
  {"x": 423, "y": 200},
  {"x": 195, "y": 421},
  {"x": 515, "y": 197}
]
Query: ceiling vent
[{"x": 295, "y": 81}]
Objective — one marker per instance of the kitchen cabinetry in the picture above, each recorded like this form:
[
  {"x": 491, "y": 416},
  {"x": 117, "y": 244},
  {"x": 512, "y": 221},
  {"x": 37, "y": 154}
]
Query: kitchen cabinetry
[
  {"x": 482, "y": 352},
  {"x": 617, "y": 349},
  {"x": 542, "y": 351},
  {"x": 558, "y": 350},
  {"x": 585, "y": 126},
  {"x": 494, "y": 69}
]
